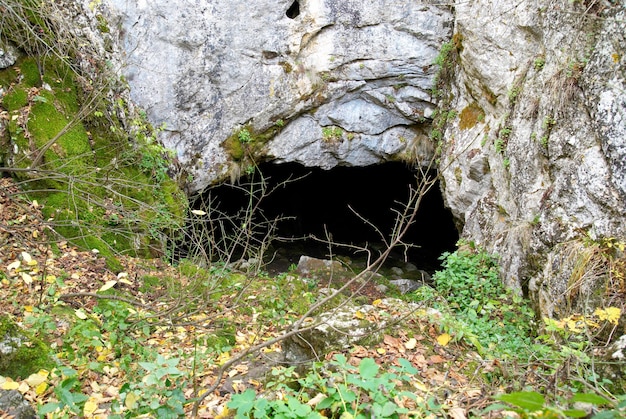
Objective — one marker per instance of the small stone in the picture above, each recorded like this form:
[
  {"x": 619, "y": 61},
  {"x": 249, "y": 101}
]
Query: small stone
[
  {"x": 406, "y": 285},
  {"x": 13, "y": 404}
]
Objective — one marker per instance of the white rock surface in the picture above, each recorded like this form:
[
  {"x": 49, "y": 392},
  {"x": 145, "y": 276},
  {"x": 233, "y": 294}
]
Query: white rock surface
[
  {"x": 206, "y": 69},
  {"x": 545, "y": 165}
]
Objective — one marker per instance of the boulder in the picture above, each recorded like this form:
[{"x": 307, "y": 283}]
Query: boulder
[
  {"x": 13, "y": 404},
  {"x": 343, "y": 83},
  {"x": 533, "y": 157},
  {"x": 342, "y": 327}
]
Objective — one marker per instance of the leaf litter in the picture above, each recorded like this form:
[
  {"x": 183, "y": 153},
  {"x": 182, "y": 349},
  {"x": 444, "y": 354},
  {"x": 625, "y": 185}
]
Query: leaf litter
[{"x": 39, "y": 280}]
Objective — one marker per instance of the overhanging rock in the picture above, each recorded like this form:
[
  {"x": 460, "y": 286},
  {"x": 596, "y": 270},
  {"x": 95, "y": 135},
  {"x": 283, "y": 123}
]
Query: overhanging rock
[{"x": 322, "y": 83}]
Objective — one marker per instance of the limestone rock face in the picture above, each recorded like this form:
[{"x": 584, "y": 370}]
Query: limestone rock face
[
  {"x": 534, "y": 161},
  {"x": 325, "y": 83}
]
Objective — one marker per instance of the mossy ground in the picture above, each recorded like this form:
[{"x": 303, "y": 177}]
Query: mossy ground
[
  {"x": 28, "y": 356},
  {"x": 104, "y": 188}
]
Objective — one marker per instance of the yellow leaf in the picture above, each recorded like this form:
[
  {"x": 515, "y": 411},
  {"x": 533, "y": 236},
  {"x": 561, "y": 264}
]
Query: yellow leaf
[
  {"x": 420, "y": 386},
  {"x": 381, "y": 351},
  {"x": 90, "y": 407},
  {"x": 80, "y": 314},
  {"x": 35, "y": 203},
  {"x": 131, "y": 400},
  {"x": 31, "y": 262},
  {"x": 10, "y": 385},
  {"x": 35, "y": 234},
  {"x": 23, "y": 387},
  {"x": 34, "y": 380},
  {"x": 376, "y": 303},
  {"x": 41, "y": 388},
  {"x": 411, "y": 344},
  {"x": 223, "y": 414},
  {"x": 28, "y": 309},
  {"x": 108, "y": 285},
  {"x": 359, "y": 315},
  {"x": 50, "y": 279},
  {"x": 443, "y": 339},
  {"x": 610, "y": 314}
]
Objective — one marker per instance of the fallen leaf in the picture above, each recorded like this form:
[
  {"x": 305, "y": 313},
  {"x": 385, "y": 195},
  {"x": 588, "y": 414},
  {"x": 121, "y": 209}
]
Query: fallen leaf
[
  {"x": 443, "y": 339},
  {"x": 381, "y": 351},
  {"x": 359, "y": 315},
  {"x": 26, "y": 257},
  {"x": 376, "y": 303},
  {"x": 436, "y": 359},
  {"x": 108, "y": 285},
  {"x": 23, "y": 387},
  {"x": 315, "y": 400},
  {"x": 14, "y": 265},
  {"x": 457, "y": 413},
  {"x": 10, "y": 385},
  {"x": 27, "y": 278},
  {"x": 411, "y": 344},
  {"x": 34, "y": 380},
  {"x": 198, "y": 212},
  {"x": 41, "y": 388},
  {"x": 90, "y": 407},
  {"x": 80, "y": 314},
  {"x": 131, "y": 400}
]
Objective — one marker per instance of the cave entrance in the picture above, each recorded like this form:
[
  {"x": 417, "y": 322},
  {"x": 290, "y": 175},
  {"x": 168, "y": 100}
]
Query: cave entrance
[{"x": 322, "y": 203}]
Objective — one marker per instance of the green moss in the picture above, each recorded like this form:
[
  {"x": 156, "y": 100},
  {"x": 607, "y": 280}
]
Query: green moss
[
  {"x": 31, "y": 76},
  {"x": 113, "y": 191},
  {"x": 246, "y": 142},
  {"x": 8, "y": 76},
  {"x": 15, "y": 99},
  {"x": 28, "y": 354}
]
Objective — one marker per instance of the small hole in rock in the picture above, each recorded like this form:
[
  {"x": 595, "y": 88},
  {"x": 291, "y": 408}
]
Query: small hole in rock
[{"x": 294, "y": 10}]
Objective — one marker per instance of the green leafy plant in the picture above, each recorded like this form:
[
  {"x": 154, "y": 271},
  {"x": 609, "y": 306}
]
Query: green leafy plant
[
  {"x": 483, "y": 312},
  {"x": 529, "y": 404},
  {"x": 338, "y": 389},
  {"x": 244, "y": 136},
  {"x": 332, "y": 133},
  {"x": 159, "y": 393}
]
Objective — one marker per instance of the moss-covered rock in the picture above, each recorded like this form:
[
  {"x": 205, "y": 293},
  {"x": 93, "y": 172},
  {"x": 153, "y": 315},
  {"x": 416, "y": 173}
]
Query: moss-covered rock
[{"x": 21, "y": 354}]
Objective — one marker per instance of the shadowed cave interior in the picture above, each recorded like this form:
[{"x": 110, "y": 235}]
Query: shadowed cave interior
[{"x": 318, "y": 202}]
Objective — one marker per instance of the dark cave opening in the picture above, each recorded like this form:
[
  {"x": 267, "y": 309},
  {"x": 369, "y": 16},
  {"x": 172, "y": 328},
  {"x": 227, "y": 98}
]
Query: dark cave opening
[
  {"x": 320, "y": 202},
  {"x": 294, "y": 10}
]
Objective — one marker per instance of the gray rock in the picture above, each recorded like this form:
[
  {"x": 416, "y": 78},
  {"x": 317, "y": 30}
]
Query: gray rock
[
  {"x": 13, "y": 404},
  {"x": 543, "y": 165},
  {"x": 342, "y": 327},
  {"x": 319, "y": 268},
  {"x": 206, "y": 70},
  {"x": 397, "y": 271},
  {"x": 406, "y": 285},
  {"x": 8, "y": 54}
]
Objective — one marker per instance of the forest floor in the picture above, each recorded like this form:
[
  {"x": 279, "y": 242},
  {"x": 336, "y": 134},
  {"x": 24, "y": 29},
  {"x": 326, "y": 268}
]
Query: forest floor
[{"x": 151, "y": 338}]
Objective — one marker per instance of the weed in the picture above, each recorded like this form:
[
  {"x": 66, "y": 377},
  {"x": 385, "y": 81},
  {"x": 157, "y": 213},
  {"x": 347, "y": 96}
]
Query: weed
[
  {"x": 485, "y": 314},
  {"x": 244, "y": 136},
  {"x": 513, "y": 94},
  {"x": 539, "y": 63},
  {"x": 332, "y": 133},
  {"x": 348, "y": 391}
]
